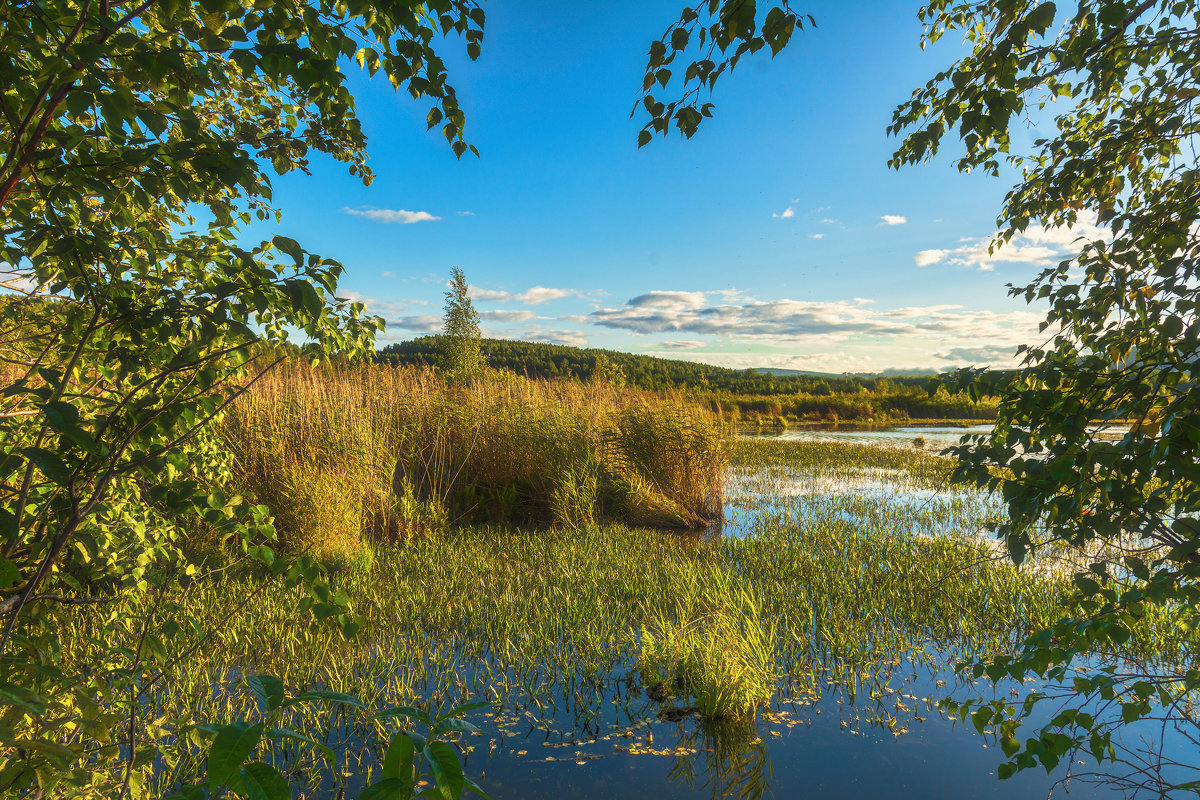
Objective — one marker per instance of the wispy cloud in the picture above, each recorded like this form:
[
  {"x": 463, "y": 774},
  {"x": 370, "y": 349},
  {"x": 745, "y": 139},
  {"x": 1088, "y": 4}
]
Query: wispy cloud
[
  {"x": 790, "y": 323},
  {"x": 893, "y": 219},
  {"x": 572, "y": 338},
  {"x": 466, "y": 213},
  {"x": 531, "y": 297},
  {"x": 421, "y": 323},
  {"x": 816, "y": 236},
  {"x": 391, "y": 215},
  {"x": 1037, "y": 246},
  {"x": 507, "y": 315},
  {"x": 682, "y": 344},
  {"x": 987, "y": 354},
  {"x": 787, "y": 213}
]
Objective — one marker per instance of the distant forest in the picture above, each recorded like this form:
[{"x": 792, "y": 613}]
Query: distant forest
[
  {"x": 747, "y": 395},
  {"x": 541, "y": 360}
]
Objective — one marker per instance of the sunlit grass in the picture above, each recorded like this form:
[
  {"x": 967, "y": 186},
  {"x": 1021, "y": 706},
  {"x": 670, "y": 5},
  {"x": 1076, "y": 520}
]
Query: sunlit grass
[{"x": 353, "y": 456}]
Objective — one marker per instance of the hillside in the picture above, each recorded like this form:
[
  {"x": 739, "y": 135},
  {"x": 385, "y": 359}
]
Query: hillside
[{"x": 537, "y": 359}]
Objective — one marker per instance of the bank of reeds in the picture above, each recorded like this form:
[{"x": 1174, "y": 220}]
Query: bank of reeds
[{"x": 348, "y": 456}]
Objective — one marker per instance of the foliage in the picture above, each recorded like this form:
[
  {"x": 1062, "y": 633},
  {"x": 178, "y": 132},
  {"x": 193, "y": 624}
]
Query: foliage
[
  {"x": 461, "y": 344},
  {"x": 1122, "y": 333},
  {"x": 722, "y": 31},
  {"x": 542, "y": 360},
  {"x": 123, "y": 123}
]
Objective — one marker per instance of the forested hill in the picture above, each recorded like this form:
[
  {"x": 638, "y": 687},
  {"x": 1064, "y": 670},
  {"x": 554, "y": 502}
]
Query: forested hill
[{"x": 541, "y": 360}]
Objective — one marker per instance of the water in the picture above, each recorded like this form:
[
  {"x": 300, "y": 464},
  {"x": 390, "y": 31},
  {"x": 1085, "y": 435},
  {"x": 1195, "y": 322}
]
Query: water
[
  {"x": 936, "y": 437},
  {"x": 833, "y": 747},
  {"x": 882, "y": 738}
]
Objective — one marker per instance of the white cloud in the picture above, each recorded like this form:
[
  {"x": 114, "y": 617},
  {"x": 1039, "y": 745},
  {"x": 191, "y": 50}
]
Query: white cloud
[
  {"x": 986, "y": 354},
  {"x": 541, "y": 294},
  {"x": 808, "y": 323},
  {"x": 507, "y": 315},
  {"x": 787, "y": 213},
  {"x": 926, "y": 257},
  {"x": 816, "y": 236},
  {"x": 391, "y": 215},
  {"x": 828, "y": 221},
  {"x": 893, "y": 219},
  {"x": 682, "y": 344},
  {"x": 489, "y": 295},
  {"x": 532, "y": 297},
  {"x": 421, "y": 323},
  {"x": 466, "y": 213},
  {"x": 1037, "y": 246},
  {"x": 571, "y": 338},
  {"x": 672, "y": 300}
]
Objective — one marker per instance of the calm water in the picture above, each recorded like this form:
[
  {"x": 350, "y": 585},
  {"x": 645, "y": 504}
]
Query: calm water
[{"x": 936, "y": 437}]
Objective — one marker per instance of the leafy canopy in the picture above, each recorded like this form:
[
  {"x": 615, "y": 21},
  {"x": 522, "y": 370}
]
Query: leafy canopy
[{"x": 138, "y": 137}]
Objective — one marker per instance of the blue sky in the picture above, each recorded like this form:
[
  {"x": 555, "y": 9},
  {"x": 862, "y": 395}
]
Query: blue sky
[{"x": 777, "y": 236}]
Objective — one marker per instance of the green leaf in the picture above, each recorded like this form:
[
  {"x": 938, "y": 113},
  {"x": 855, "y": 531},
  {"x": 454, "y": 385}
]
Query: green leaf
[
  {"x": 386, "y": 789},
  {"x": 49, "y": 463},
  {"x": 291, "y": 247},
  {"x": 284, "y": 733},
  {"x": 398, "y": 760},
  {"x": 232, "y": 745},
  {"x": 447, "y": 770},
  {"x": 268, "y": 690},
  {"x": 261, "y": 781},
  {"x": 330, "y": 697},
  {"x": 9, "y": 574},
  {"x": 14, "y": 695}
]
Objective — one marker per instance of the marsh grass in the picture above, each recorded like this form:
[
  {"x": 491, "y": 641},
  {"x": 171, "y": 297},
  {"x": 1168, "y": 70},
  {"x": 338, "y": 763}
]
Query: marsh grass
[
  {"x": 565, "y": 629},
  {"x": 350, "y": 456},
  {"x": 713, "y": 644}
]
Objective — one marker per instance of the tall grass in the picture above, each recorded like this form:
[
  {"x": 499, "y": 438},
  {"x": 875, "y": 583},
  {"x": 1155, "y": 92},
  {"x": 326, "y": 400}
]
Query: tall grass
[{"x": 350, "y": 456}]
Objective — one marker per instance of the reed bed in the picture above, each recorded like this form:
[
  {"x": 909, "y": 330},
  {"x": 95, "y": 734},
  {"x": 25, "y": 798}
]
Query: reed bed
[{"x": 351, "y": 457}]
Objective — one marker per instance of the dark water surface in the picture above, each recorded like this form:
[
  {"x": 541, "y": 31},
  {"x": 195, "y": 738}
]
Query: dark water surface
[{"x": 815, "y": 749}]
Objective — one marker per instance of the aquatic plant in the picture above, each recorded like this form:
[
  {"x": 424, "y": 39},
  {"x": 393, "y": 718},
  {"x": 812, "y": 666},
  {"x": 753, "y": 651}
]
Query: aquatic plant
[{"x": 714, "y": 644}]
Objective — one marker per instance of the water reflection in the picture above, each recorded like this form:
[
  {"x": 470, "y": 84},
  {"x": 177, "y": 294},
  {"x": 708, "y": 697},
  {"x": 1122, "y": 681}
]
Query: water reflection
[{"x": 724, "y": 761}]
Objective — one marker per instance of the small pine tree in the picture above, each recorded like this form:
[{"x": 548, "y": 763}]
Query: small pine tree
[{"x": 464, "y": 357}]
